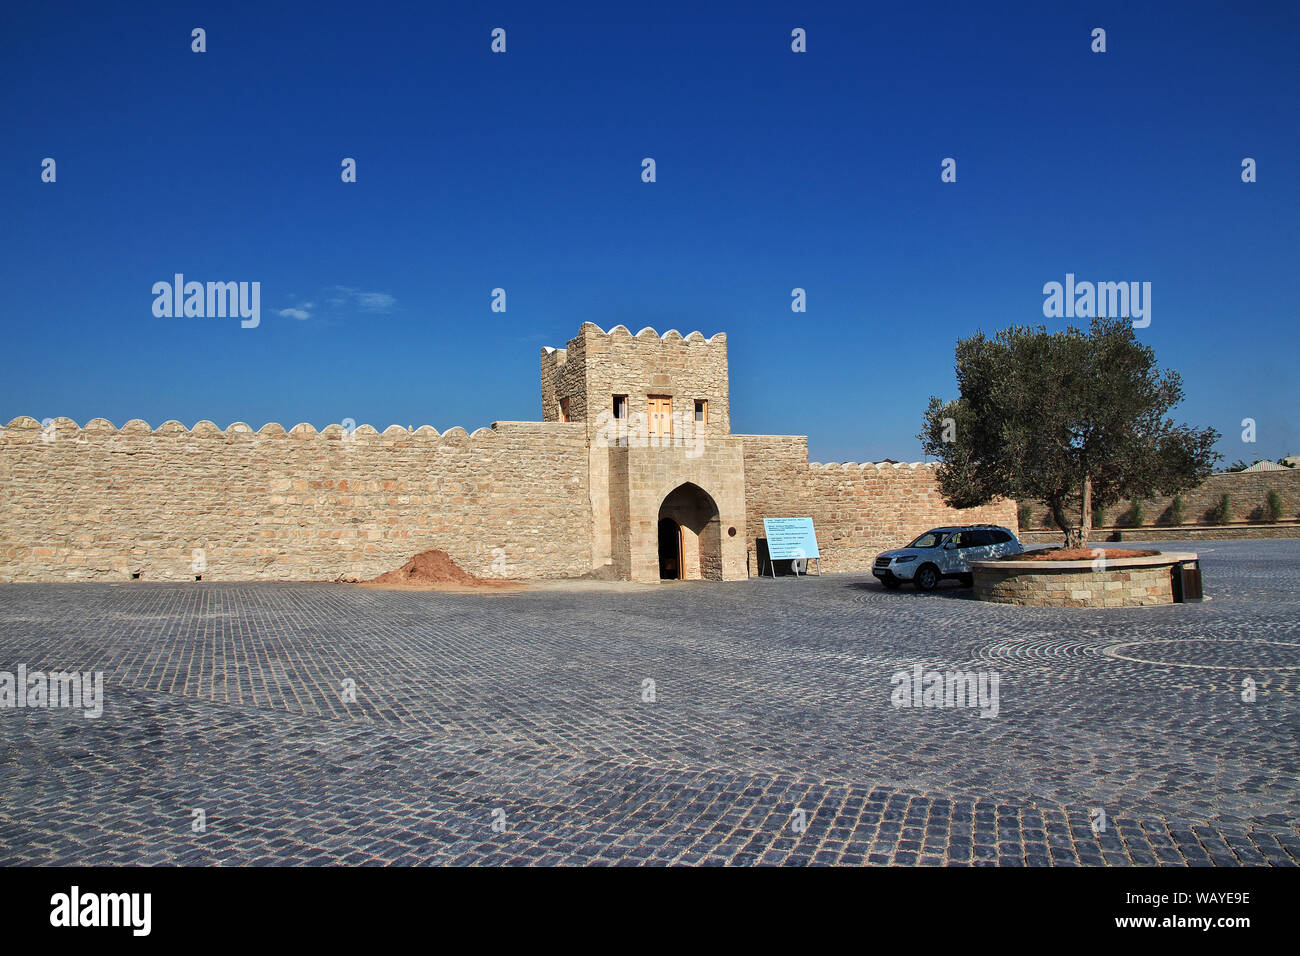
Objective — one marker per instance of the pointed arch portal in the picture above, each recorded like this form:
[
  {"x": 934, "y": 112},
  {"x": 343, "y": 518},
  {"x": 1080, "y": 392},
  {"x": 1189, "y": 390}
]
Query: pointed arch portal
[{"x": 690, "y": 535}]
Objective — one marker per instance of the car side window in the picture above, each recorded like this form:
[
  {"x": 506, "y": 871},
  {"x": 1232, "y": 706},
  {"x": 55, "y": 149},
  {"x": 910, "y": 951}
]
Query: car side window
[
  {"x": 955, "y": 540},
  {"x": 1000, "y": 537},
  {"x": 977, "y": 539}
]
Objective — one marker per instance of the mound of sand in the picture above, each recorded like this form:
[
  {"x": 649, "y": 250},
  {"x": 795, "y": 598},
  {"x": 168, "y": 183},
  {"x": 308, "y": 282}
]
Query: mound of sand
[
  {"x": 434, "y": 569},
  {"x": 605, "y": 572}
]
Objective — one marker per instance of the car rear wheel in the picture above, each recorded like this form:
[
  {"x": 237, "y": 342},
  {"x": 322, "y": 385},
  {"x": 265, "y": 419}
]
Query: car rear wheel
[{"x": 927, "y": 577}]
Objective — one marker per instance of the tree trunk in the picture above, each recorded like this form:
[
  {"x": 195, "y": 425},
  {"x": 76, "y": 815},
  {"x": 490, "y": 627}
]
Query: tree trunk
[
  {"x": 1063, "y": 522},
  {"x": 1085, "y": 512}
]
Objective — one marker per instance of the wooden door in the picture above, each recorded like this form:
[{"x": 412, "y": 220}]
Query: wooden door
[{"x": 661, "y": 416}]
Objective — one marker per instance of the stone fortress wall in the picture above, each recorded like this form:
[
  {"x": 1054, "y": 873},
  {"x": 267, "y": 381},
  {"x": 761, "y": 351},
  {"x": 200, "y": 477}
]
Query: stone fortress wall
[
  {"x": 858, "y": 510},
  {"x": 100, "y": 503},
  {"x": 520, "y": 499}
]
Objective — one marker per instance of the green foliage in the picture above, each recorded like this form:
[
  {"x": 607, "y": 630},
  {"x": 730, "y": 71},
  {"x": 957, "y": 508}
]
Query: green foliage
[
  {"x": 1038, "y": 411},
  {"x": 1136, "y": 515},
  {"x": 1025, "y": 514},
  {"x": 1177, "y": 507},
  {"x": 1223, "y": 510},
  {"x": 1098, "y": 516},
  {"x": 1274, "y": 510}
]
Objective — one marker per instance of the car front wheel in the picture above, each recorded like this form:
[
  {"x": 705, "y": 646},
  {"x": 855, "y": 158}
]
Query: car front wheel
[{"x": 927, "y": 577}]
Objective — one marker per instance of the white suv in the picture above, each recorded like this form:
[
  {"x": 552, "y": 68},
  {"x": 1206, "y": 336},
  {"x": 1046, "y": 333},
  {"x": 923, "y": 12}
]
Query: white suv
[{"x": 944, "y": 553}]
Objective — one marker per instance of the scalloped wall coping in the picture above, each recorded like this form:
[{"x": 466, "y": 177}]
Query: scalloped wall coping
[
  {"x": 303, "y": 430},
  {"x": 877, "y": 465},
  {"x": 648, "y": 334}
]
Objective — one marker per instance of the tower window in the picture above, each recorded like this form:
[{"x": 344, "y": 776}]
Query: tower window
[
  {"x": 564, "y": 409},
  {"x": 620, "y": 406},
  {"x": 701, "y": 411}
]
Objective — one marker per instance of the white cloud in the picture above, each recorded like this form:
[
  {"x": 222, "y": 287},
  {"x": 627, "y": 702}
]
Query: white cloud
[
  {"x": 295, "y": 313},
  {"x": 375, "y": 301},
  {"x": 365, "y": 301}
]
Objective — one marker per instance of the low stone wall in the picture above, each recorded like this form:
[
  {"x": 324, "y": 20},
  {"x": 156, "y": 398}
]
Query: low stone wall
[
  {"x": 1247, "y": 493},
  {"x": 1224, "y": 532},
  {"x": 1125, "y": 582}
]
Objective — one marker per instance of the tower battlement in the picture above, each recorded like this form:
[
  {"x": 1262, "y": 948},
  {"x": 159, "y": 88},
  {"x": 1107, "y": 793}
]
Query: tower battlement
[{"x": 602, "y": 375}]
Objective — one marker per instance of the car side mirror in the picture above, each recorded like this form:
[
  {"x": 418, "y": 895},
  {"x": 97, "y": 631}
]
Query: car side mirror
[{"x": 949, "y": 546}]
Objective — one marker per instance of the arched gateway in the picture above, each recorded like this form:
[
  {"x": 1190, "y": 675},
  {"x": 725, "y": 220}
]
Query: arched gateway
[{"x": 690, "y": 535}]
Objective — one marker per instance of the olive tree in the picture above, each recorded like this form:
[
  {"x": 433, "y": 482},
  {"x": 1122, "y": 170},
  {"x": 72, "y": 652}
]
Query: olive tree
[{"x": 1069, "y": 417}]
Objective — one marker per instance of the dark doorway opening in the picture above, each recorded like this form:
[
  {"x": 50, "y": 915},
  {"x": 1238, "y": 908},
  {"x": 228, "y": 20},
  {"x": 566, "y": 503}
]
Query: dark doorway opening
[
  {"x": 670, "y": 550},
  {"x": 696, "y": 537}
]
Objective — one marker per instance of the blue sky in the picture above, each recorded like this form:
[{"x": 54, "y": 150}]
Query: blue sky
[{"x": 775, "y": 170}]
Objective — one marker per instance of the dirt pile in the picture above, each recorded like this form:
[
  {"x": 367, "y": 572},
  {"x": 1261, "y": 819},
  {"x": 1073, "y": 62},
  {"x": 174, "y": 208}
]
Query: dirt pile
[
  {"x": 433, "y": 569},
  {"x": 605, "y": 572}
]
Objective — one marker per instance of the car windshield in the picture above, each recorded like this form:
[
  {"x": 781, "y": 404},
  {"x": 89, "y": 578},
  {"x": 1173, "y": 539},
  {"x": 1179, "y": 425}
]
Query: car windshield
[{"x": 931, "y": 539}]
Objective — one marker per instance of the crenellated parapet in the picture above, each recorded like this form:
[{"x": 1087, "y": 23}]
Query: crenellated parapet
[
  {"x": 878, "y": 466},
  {"x": 590, "y": 332},
  {"x": 580, "y": 381},
  {"x": 26, "y": 429}
]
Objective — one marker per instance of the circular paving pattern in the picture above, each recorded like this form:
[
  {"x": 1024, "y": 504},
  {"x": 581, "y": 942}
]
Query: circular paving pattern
[
  {"x": 1041, "y": 648},
  {"x": 1210, "y": 654}
]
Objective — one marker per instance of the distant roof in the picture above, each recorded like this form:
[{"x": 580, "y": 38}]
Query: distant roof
[{"x": 1266, "y": 466}]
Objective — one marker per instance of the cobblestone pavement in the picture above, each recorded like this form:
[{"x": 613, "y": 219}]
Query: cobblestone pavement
[{"x": 771, "y": 739}]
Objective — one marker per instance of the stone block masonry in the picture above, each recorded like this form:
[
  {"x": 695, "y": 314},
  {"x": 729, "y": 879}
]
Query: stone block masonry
[
  {"x": 1113, "y": 587},
  {"x": 1248, "y": 493},
  {"x": 596, "y": 365},
  {"x": 100, "y": 503},
  {"x": 858, "y": 510}
]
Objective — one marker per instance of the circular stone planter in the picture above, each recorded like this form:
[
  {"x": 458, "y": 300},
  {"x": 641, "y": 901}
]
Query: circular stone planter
[{"x": 1109, "y": 582}]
